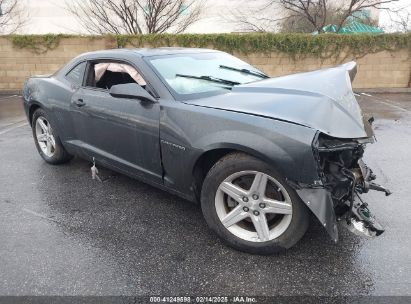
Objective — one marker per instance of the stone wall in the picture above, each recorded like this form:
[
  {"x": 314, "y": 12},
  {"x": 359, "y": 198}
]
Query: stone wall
[{"x": 379, "y": 70}]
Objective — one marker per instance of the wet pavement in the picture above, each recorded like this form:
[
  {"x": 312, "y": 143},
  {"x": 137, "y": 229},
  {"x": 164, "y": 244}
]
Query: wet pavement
[{"x": 62, "y": 233}]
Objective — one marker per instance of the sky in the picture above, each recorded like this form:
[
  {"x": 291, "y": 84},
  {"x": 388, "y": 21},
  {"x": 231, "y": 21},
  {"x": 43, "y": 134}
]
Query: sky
[{"x": 50, "y": 16}]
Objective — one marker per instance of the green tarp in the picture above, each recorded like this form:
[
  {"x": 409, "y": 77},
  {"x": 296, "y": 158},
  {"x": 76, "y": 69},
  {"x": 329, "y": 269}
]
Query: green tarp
[{"x": 354, "y": 27}]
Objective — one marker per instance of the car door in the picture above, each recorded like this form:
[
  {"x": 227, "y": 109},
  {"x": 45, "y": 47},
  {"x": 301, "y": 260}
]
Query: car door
[{"x": 119, "y": 132}]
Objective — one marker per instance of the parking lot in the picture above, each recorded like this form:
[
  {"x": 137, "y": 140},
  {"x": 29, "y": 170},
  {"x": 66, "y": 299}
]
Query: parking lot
[{"x": 62, "y": 233}]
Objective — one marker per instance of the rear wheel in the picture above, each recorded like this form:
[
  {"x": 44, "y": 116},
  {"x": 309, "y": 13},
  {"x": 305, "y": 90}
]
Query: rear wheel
[
  {"x": 47, "y": 142},
  {"x": 251, "y": 207}
]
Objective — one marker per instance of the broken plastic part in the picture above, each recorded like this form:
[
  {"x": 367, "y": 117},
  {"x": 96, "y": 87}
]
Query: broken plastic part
[
  {"x": 344, "y": 175},
  {"x": 358, "y": 227},
  {"x": 360, "y": 221}
]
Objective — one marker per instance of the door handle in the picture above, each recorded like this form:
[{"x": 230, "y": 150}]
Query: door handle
[{"x": 80, "y": 102}]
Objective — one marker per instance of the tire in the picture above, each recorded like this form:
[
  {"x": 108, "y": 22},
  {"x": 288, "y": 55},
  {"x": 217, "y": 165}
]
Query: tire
[
  {"x": 47, "y": 135},
  {"x": 239, "y": 231}
]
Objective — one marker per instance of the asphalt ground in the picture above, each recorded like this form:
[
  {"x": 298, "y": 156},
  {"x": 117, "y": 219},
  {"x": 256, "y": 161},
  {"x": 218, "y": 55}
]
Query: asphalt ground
[{"x": 62, "y": 233}]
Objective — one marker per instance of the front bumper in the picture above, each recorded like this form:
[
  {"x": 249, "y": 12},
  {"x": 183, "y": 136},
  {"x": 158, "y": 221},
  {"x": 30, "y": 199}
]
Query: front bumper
[
  {"x": 354, "y": 213},
  {"x": 343, "y": 178}
]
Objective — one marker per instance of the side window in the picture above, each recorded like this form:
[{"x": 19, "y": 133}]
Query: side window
[
  {"x": 104, "y": 75},
  {"x": 75, "y": 76}
]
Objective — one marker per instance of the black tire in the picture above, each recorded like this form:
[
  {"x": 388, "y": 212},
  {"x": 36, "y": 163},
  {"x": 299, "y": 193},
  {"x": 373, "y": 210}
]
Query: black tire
[
  {"x": 238, "y": 162},
  {"x": 60, "y": 155}
]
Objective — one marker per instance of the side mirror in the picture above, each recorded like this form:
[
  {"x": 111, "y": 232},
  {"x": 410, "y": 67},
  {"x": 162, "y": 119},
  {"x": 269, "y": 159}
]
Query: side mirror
[{"x": 132, "y": 91}]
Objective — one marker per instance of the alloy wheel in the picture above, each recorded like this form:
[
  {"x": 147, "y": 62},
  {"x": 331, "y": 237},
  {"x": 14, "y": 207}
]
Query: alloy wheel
[
  {"x": 45, "y": 137},
  {"x": 253, "y": 206}
]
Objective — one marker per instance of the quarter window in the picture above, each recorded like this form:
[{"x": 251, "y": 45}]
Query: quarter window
[{"x": 75, "y": 76}]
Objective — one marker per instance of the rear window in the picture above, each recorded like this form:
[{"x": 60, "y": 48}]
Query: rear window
[{"x": 75, "y": 76}]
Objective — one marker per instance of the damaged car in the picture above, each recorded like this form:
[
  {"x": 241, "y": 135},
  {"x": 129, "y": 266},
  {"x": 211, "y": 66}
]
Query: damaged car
[{"x": 259, "y": 154}]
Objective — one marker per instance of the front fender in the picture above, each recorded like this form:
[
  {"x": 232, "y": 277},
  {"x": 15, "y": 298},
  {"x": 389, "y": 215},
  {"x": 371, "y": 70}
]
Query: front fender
[
  {"x": 188, "y": 132},
  {"x": 259, "y": 147}
]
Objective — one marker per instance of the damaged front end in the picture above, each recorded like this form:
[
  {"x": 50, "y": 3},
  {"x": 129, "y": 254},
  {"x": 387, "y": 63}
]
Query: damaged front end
[{"x": 345, "y": 176}]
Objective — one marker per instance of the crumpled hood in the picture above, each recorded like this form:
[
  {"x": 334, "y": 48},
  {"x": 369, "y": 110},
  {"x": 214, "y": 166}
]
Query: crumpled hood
[{"x": 322, "y": 100}]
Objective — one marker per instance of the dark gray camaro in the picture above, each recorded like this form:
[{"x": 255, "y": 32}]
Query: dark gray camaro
[{"x": 259, "y": 153}]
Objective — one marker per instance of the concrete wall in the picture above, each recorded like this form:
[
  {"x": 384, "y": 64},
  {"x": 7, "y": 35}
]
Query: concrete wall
[{"x": 379, "y": 70}]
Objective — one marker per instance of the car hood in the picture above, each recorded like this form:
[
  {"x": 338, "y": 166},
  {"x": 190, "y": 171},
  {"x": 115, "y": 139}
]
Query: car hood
[{"x": 321, "y": 100}]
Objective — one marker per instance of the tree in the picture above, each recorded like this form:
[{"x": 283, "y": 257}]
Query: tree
[
  {"x": 299, "y": 23},
  {"x": 400, "y": 20},
  {"x": 12, "y": 16},
  {"x": 135, "y": 16},
  {"x": 250, "y": 16},
  {"x": 308, "y": 15},
  {"x": 316, "y": 11}
]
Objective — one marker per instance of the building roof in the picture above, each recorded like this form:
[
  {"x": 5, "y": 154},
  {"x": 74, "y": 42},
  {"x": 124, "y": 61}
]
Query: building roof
[{"x": 354, "y": 27}]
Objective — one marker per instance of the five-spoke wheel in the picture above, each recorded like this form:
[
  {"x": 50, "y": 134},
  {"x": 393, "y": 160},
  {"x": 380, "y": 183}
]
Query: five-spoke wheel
[
  {"x": 251, "y": 206},
  {"x": 45, "y": 136},
  {"x": 46, "y": 139}
]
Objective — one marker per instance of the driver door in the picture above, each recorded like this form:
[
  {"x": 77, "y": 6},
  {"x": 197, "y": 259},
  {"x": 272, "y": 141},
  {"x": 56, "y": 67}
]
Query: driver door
[{"x": 119, "y": 132}]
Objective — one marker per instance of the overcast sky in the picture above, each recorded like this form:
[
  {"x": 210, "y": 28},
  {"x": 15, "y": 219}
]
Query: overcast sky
[{"x": 49, "y": 16}]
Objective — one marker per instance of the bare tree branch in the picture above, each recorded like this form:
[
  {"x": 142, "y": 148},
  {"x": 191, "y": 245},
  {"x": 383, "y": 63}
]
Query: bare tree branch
[
  {"x": 315, "y": 11},
  {"x": 12, "y": 16},
  {"x": 249, "y": 18},
  {"x": 400, "y": 19},
  {"x": 135, "y": 16},
  {"x": 314, "y": 14}
]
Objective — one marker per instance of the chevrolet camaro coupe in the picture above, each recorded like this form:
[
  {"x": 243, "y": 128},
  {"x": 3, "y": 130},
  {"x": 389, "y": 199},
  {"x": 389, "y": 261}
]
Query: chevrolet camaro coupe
[{"x": 260, "y": 154}]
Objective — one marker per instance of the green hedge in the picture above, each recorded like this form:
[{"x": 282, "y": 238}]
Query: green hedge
[
  {"x": 324, "y": 45},
  {"x": 37, "y": 43}
]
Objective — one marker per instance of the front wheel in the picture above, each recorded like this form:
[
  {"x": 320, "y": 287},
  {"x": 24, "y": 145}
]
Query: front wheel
[{"x": 251, "y": 207}]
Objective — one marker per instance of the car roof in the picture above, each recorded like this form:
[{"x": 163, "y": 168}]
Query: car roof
[
  {"x": 147, "y": 52},
  {"x": 170, "y": 51}
]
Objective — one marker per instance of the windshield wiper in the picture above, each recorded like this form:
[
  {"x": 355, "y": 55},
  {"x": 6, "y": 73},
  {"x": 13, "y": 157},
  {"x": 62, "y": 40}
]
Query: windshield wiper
[
  {"x": 211, "y": 78},
  {"x": 246, "y": 71}
]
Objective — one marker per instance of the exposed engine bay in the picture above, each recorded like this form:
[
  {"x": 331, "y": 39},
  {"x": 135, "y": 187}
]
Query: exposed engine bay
[{"x": 345, "y": 175}]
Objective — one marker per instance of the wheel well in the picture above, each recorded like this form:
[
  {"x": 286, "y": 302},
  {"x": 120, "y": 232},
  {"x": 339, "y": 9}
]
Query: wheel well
[
  {"x": 32, "y": 109},
  {"x": 204, "y": 164}
]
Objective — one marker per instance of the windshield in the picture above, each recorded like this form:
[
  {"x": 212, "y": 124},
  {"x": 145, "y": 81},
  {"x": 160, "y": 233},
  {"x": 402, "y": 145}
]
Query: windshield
[{"x": 204, "y": 72}]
